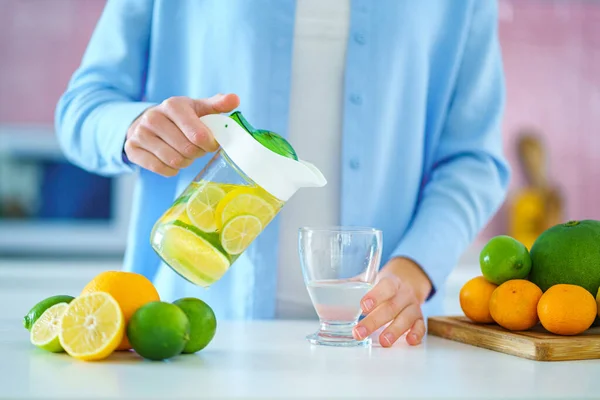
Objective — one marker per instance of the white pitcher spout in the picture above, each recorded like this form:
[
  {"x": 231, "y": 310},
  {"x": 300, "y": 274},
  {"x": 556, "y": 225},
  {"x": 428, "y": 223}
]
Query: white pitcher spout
[
  {"x": 281, "y": 176},
  {"x": 317, "y": 179}
]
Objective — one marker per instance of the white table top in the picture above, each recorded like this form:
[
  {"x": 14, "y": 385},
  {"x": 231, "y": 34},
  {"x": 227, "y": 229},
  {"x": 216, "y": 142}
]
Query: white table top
[{"x": 271, "y": 359}]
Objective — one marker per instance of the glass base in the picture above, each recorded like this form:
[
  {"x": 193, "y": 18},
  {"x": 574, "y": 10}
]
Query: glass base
[{"x": 337, "y": 334}]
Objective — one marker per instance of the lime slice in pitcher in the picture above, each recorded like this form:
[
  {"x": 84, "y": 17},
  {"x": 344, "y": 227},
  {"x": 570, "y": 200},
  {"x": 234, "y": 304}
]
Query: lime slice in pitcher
[
  {"x": 244, "y": 201},
  {"x": 239, "y": 232},
  {"x": 192, "y": 256},
  {"x": 200, "y": 207}
]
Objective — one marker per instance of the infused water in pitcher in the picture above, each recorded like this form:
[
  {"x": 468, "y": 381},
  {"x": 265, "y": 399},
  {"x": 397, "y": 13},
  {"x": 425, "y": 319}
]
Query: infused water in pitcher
[{"x": 231, "y": 201}]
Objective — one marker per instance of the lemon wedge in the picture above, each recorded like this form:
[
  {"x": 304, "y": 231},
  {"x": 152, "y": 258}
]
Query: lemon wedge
[
  {"x": 239, "y": 232},
  {"x": 92, "y": 326},
  {"x": 244, "y": 201},
  {"x": 45, "y": 331}
]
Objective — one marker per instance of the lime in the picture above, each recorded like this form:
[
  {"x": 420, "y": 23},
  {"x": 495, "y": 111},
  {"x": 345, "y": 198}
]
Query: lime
[
  {"x": 239, "y": 232},
  {"x": 244, "y": 201},
  {"x": 203, "y": 323},
  {"x": 37, "y": 310},
  {"x": 567, "y": 254},
  {"x": 194, "y": 257},
  {"x": 158, "y": 330},
  {"x": 45, "y": 330},
  {"x": 504, "y": 258}
]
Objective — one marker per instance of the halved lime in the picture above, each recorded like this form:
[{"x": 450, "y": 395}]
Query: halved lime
[
  {"x": 45, "y": 331},
  {"x": 37, "y": 310},
  {"x": 195, "y": 258},
  {"x": 239, "y": 232},
  {"x": 200, "y": 207},
  {"x": 244, "y": 201}
]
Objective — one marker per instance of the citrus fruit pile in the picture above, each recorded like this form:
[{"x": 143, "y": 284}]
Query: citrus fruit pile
[
  {"x": 555, "y": 284},
  {"x": 210, "y": 225},
  {"x": 120, "y": 311}
]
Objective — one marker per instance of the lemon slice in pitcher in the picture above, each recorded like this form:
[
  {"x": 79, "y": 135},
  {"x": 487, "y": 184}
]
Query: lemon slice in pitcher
[
  {"x": 244, "y": 201},
  {"x": 239, "y": 232},
  {"x": 176, "y": 213},
  {"x": 200, "y": 261},
  {"x": 200, "y": 206}
]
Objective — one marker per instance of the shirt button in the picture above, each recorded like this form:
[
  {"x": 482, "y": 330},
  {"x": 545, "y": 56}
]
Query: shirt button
[
  {"x": 354, "y": 163},
  {"x": 356, "y": 99},
  {"x": 359, "y": 38}
]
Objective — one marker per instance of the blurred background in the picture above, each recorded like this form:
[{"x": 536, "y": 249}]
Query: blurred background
[{"x": 60, "y": 226}]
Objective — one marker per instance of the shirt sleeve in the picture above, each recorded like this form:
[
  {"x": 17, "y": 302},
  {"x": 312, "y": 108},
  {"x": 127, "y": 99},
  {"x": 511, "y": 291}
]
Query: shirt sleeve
[
  {"x": 104, "y": 94},
  {"x": 468, "y": 180}
]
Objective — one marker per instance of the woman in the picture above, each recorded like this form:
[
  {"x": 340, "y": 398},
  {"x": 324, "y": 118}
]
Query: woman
[{"x": 398, "y": 103}]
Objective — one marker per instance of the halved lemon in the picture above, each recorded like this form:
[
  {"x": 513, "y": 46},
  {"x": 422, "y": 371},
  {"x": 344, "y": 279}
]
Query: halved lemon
[
  {"x": 194, "y": 257},
  {"x": 45, "y": 331},
  {"x": 200, "y": 206},
  {"x": 92, "y": 326},
  {"x": 244, "y": 201},
  {"x": 239, "y": 232}
]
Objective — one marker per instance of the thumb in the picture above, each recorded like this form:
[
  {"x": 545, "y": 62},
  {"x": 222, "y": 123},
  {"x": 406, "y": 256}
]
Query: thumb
[{"x": 219, "y": 103}]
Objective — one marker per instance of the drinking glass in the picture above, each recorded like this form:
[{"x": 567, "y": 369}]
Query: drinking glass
[{"x": 339, "y": 265}]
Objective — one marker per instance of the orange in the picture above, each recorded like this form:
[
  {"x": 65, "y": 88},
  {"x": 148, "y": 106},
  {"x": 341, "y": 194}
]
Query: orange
[
  {"x": 567, "y": 309},
  {"x": 475, "y": 298},
  {"x": 513, "y": 304},
  {"x": 129, "y": 289}
]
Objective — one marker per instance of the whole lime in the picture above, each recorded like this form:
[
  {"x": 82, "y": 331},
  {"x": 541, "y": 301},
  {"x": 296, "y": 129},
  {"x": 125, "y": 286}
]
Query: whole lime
[
  {"x": 38, "y": 309},
  {"x": 504, "y": 258},
  {"x": 568, "y": 253},
  {"x": 203, "y": 323},
  {"x": 158, "y": 330}
]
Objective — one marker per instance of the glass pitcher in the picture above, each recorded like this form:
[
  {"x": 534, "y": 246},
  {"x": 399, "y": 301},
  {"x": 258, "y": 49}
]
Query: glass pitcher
[{"x": 231, "y": 201}]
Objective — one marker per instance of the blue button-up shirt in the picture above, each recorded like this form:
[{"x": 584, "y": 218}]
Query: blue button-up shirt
[{"x": 422, "y": 155}]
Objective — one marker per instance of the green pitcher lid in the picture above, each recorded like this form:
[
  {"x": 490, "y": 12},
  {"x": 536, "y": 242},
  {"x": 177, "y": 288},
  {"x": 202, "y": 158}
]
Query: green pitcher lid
[{"x": 270, "y": 140}]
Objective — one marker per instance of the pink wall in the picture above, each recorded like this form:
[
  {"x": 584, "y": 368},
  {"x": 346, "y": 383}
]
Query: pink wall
[
  {"x": 41, "y": 43},
  {"x": 551, "y": 53}
]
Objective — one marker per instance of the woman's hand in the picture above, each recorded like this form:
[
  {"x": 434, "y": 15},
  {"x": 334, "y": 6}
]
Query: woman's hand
[
  {"x": 396, "y": 298},
  {"x": 170, "y": 136}
]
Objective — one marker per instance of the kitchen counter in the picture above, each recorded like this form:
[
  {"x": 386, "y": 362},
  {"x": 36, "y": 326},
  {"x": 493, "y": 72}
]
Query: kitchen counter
[{"x": 271, "y": 359}]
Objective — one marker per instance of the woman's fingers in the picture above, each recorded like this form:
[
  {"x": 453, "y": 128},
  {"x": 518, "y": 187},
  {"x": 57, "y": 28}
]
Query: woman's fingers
[
  {"x": 173, "y": 134},
  {"x": 409, "y": 317},
  {"x": 381, "y": 315},
  {"x": 417, "y": 332},
  {"x": 158, "y": 124},
  {"x": 148, "y": 160},
  {"x": 384, "y": 290},
  {"x": 166, "y": 154},
  {"x": 181, "y": 111}
]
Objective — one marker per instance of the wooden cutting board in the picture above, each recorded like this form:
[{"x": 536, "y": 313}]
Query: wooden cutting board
[{"x": 535, "y": 344}]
